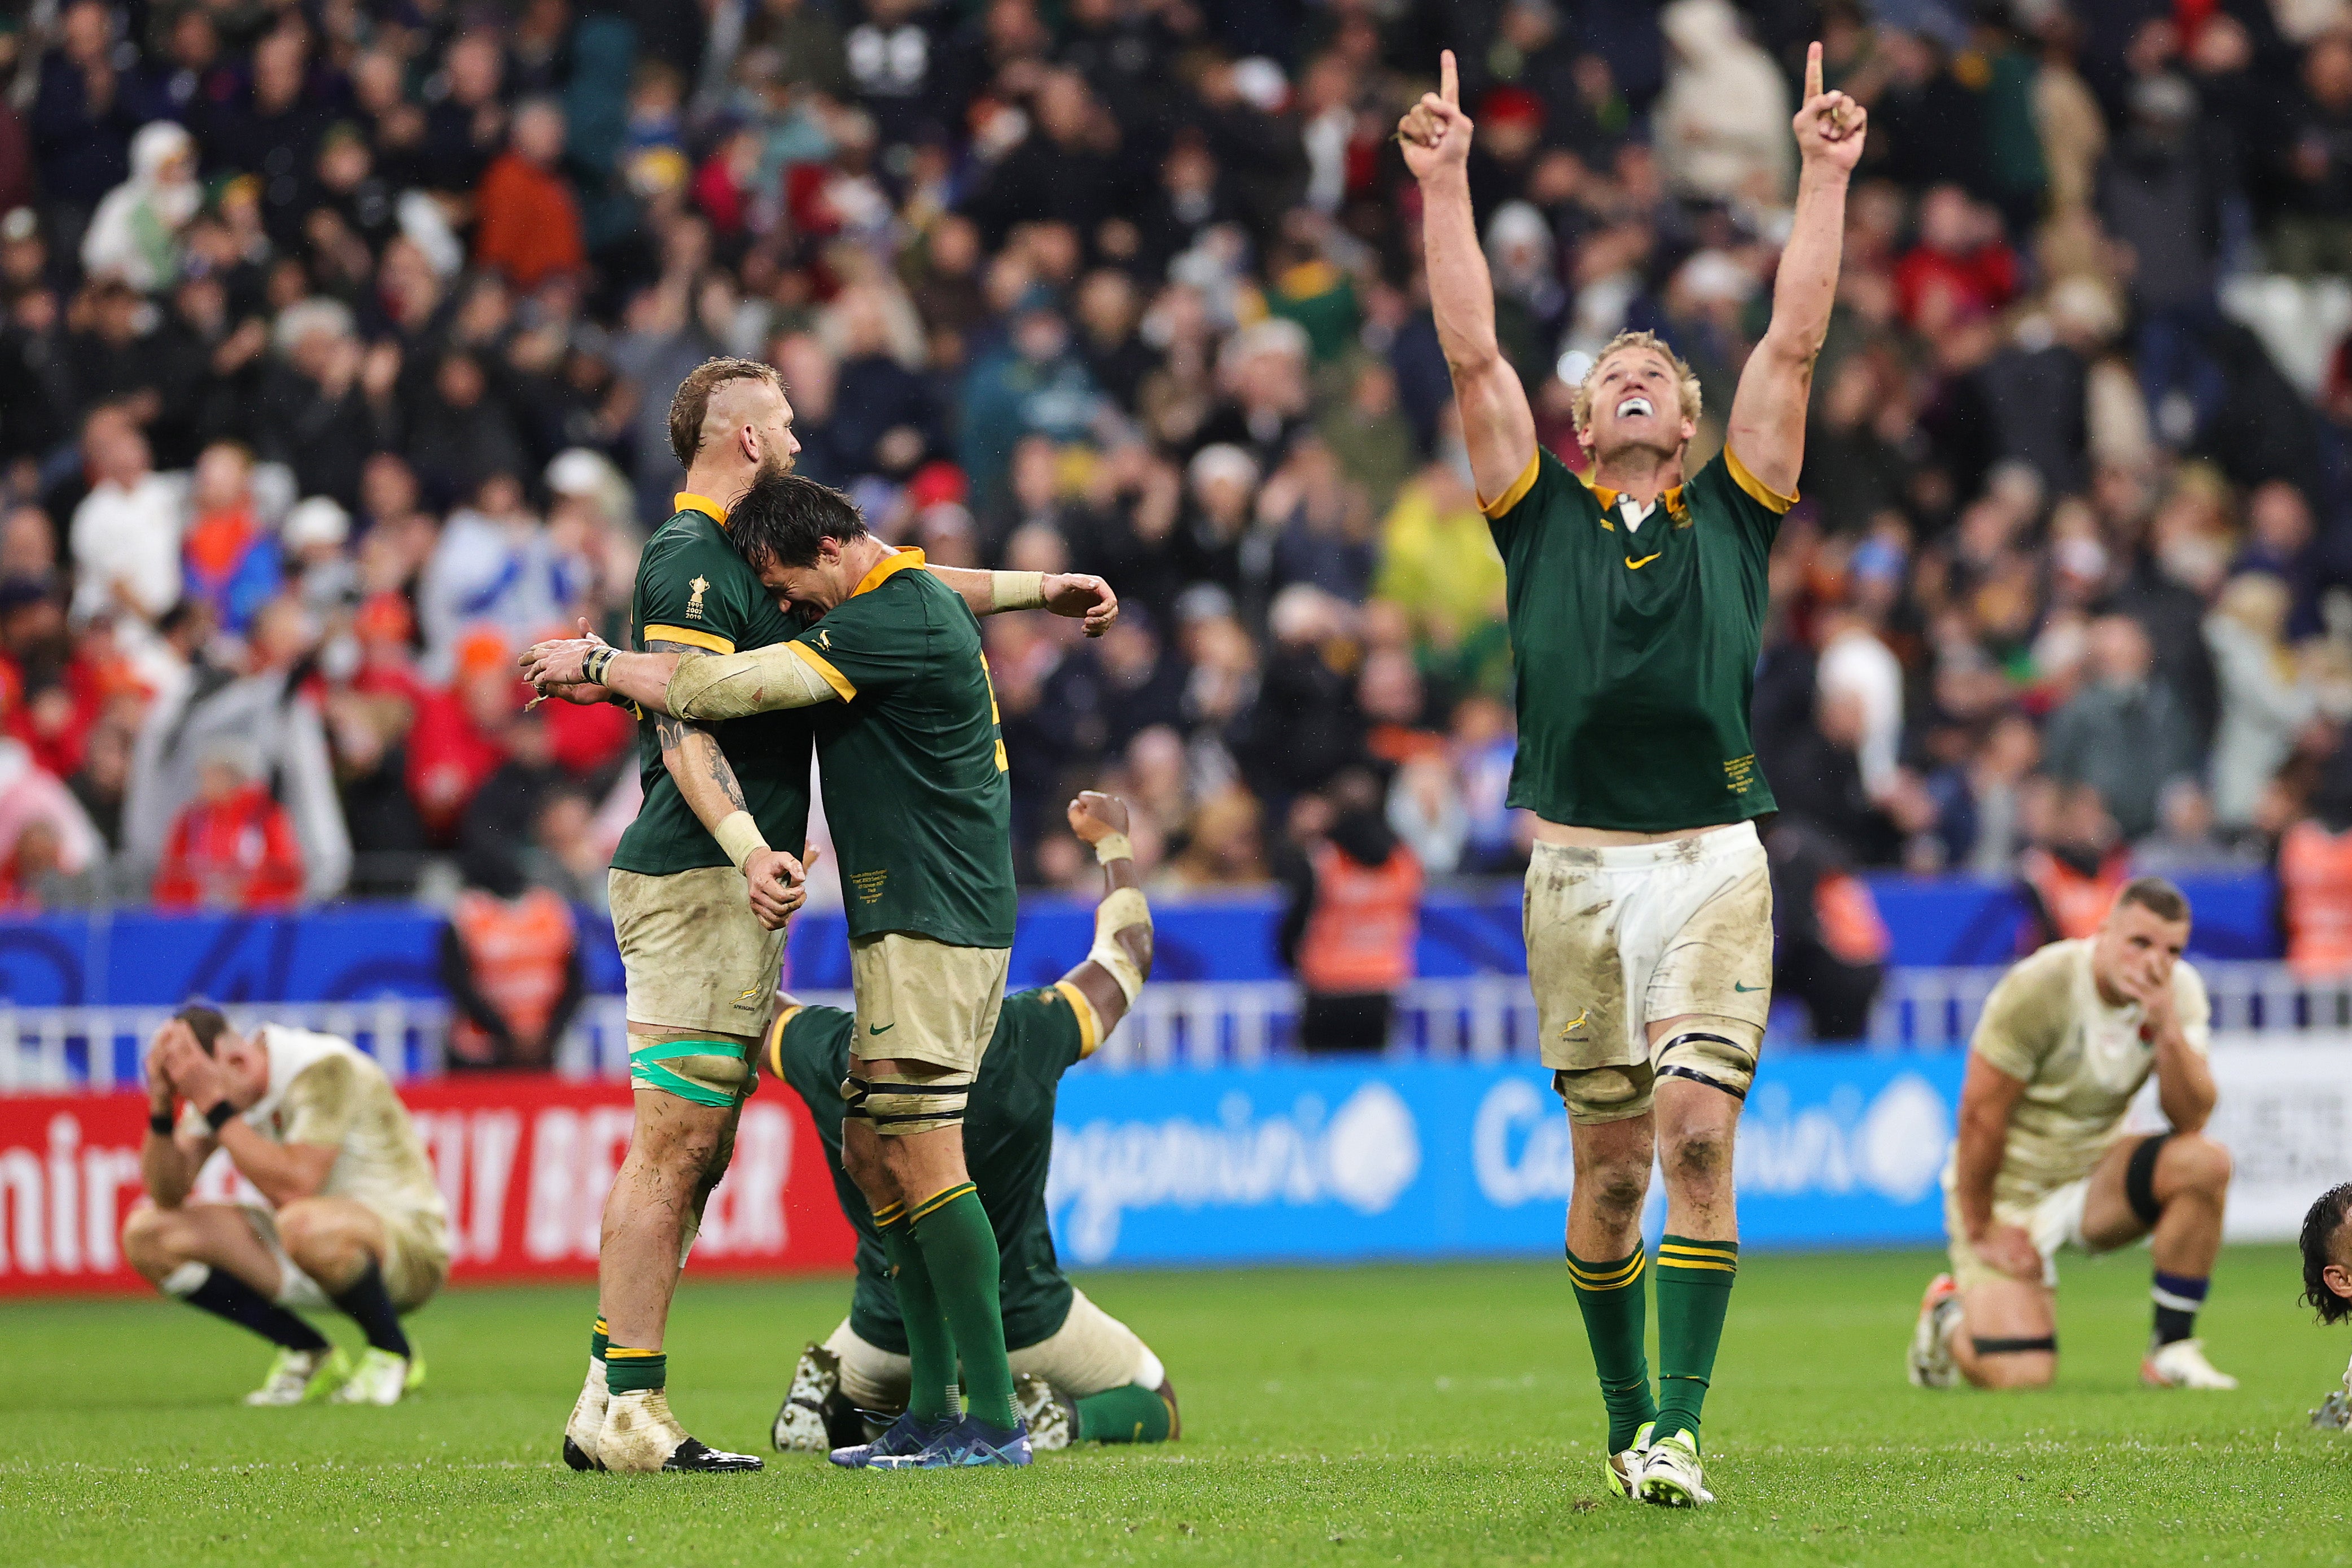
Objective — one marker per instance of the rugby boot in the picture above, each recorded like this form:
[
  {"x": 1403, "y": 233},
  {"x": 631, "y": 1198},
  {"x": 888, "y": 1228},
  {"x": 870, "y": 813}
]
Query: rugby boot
[
  {"x": 640, "y": 1435},
  {"x": 800, "y": 1424},
  {"x": 381, "y": 1378},
  {"x": 581, "y": 1432},
  {"x": 1052, "y": 1421},
  {"x": 1930, "y": 1363},
  {"x": 1623, "y": 1469},
  {"x": 908, "y": 1436},
  {"x": 969, "y": 1444},
  {"x": 1671, "y": 1474},
  {"x": 302, "y": 1377}
]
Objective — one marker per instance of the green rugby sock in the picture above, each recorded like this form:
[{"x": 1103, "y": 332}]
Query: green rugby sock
[
  {"x": 598, "y": 1338},
  {"x": 930, "y": 1345},
  {"x": 1616, "y": 1319},
  {"x": 1123, "y": 1415},
  {"x": 1694, "y": 1279},
  {"x": 953, "y": 1233},
  {"x": 630, "y": 1371}
]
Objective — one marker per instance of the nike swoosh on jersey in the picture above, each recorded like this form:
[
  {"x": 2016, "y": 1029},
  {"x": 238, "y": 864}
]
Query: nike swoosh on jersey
[{"x": 1633, "y": 565}]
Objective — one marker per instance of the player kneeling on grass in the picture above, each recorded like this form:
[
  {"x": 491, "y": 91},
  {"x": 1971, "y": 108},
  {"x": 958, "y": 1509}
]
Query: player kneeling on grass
[
  {"x": 2328, "y": 1286},
  {"x": 350, "y": 1214},
  {"x": 2066, "y": 1040},
  {"x": 1081, "y": 1374}
]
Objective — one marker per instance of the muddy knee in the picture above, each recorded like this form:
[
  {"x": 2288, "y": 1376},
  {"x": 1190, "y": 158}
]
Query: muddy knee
[{"x": 1598, "y": 1095}]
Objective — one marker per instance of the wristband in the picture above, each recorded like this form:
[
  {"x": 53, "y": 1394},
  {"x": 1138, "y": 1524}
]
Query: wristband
[
  {"x": 597, "y": 663},
  {"x": 220, "y": 1115},
  {"x": 1113, "y": 847},
  {"x": 739, "y": 836},
  {"x": 160, "y": 1123},
  {"x": 1017, "y": 590}
]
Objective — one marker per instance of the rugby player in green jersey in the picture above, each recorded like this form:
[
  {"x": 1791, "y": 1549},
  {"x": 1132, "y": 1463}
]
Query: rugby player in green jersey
[
  {"x": 1081, "y": 1374},
  {"x": 700, "y": 963},
  {"x": 1636, "y": 603},
  {"x": 912, "y": 759}
]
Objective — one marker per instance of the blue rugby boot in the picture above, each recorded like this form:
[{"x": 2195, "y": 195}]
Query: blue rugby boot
[
  {"x": 905, "y": 1437},
  {"x": 968, "y": 1443}
]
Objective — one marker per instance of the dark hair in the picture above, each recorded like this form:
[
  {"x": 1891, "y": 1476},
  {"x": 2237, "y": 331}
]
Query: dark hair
[
  {"x": 204, "y": 1021},
  {"x": 2320, "y": 1228},
  {"x": 783, "y": 517},
  {"x": 2157, "y": 895},
  {"x": 688, "y": 408}
]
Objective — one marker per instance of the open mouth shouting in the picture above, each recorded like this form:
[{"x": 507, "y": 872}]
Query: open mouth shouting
[{"x": 1627, "y": 406}]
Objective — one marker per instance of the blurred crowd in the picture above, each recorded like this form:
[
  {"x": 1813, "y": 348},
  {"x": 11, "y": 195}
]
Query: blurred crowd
[{"x": 339, "y": 339}]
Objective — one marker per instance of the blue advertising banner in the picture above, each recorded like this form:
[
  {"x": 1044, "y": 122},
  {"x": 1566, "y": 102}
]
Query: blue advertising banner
[{"x": 1336, "y": 1162}]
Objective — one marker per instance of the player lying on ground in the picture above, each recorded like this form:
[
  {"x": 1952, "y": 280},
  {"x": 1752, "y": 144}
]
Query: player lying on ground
[
  {"x": 2328, "y": 1286},
  {"x": 912, "y": 759},
  {"x": 1635, "y": 603},
  {"x": 2042, "y": 1161},
  {"x": 701, "y": 963},
  {"x": 350, "y": 1215},
  {"x": 1081, "y": 1374}
]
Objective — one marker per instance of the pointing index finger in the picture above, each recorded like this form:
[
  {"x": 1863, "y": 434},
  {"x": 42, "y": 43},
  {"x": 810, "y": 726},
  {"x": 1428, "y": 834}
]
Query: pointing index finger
[
  {"x": 1812, "y": 73},
  {"x": 1448, "y": 88}
]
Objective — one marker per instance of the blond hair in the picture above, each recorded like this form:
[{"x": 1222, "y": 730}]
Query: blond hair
[{"x": 1686, "y": 379}]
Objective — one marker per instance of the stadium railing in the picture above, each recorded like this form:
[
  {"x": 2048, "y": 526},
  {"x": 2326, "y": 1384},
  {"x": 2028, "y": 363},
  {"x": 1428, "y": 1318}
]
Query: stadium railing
[{"x": 1176, "y": 1025}]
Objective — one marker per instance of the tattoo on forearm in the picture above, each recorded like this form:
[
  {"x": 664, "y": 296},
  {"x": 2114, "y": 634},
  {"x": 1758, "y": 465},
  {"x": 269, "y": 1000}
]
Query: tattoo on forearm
[
  {"x": 724, "y": 777},
  {"x": 673, "y": 734}
]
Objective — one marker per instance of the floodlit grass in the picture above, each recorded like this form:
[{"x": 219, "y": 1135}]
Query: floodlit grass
[{"x": 1365, "y": 1416}]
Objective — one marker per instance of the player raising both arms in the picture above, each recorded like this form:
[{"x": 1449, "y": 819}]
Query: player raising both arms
[
  {"x": 701, "y": 963},
  {"x": 2066, "y": 1040},
  {"x": 1081, "y": 1374},
  {"x": 913, "y": 763},
  {"x": 1636, "y": 607}
]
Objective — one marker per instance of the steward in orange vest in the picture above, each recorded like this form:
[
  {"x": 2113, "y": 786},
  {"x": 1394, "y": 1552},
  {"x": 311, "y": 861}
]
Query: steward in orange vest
[
  {"x": 511, "y": 967},
  {"x": 1349, "y": 931}
]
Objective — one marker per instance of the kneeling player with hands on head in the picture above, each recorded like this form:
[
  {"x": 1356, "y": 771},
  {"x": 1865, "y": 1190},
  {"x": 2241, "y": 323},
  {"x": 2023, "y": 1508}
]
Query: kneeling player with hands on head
[
  {"x": 350, "y": 1216},
  {"x": 1080, "y": 1376}
]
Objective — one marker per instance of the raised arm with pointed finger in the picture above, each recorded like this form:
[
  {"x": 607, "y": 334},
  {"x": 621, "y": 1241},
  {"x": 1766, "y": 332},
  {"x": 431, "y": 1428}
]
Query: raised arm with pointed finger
[
  {"x": 1497, "y": 425},
  {"x": 1768, "y": 413}
]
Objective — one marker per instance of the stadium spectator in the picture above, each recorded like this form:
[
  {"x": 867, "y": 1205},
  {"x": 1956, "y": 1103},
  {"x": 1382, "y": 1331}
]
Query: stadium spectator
[
  {"x": 126, "y": 531},
  {"x": 2125, "y": 733},
  {"x": 527, "y": 225},
  {"x": 231, "y": 847},
  {"x": 510, "y": 959}
]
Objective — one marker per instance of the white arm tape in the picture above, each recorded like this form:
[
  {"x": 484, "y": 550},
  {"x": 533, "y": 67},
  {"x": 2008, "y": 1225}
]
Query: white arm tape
[
  {"x": 1123, "y": 909},
  {"x": 739, "y": 836},
  {"x": 1017, "y": 590},
  {"x": 733, "y": 685},
  {"x": 1113, "y": 847}
]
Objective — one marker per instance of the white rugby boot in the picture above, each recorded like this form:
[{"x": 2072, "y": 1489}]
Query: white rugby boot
[
  {"x": 302, "y": 1377},
  {"x": 1930, "y": 1363},
  {"x": 800, "y": 1425},
  {"x": 640, "y": 1435},
  {"x": 1623, "y": 1469},
  {"x": 1052, "y": 1421},
  {"x": 1671, "y": 1474},
  {"x": 2182, "y": 1365},
  {"x": 381, "y": 1378},
  {"x": 587, "y": 1419}
]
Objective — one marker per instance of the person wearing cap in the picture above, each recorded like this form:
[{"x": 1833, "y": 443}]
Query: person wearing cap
[{"x": 133, "y": 236}]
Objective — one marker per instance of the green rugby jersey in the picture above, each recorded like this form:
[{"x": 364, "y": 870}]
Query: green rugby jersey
[
  {"x": 1008, "y": 1140},
  {"x": 693, "y": 588},
  {"x": 1634, "y": 650},
  {"x": 912, "y": 759}
]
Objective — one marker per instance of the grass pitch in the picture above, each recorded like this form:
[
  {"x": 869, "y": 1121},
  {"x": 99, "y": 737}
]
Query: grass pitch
[{"x": 1368, "y": 1416}]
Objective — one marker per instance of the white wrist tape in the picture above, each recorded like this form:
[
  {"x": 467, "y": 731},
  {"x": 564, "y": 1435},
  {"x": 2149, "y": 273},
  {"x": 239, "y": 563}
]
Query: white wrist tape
[
  {"x": 1123, "y": 910},
  {"x": 1113, "y": 847},
  {"x": 1017, "y": 590},
  {"x": 739, "y": 836}
]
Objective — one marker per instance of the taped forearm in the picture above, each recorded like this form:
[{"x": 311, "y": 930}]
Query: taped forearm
[
  {"x": 1123, "y": 910},
  {"x": 1016, "y": 591},
  {"x": 735, "y": 684}
]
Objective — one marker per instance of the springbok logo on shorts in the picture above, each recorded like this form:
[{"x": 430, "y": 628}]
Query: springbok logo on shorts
[
  {"x": 750, "y": 996},
  {"x": 1567, "y": 1030}
]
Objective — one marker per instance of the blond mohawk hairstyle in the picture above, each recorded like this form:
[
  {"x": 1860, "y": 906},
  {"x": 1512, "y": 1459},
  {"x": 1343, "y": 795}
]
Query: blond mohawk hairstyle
[{"x": 1686, "y": 379}]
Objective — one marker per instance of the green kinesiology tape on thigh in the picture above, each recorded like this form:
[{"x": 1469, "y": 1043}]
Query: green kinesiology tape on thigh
[
  {"x": 1124, "y": 1415},
  {"x": 930, "y": 1343},
  {"x": 1695, "y": 1281},
  {"x": 954, "y": 1232},
  {"x": 1616, "y": 1320},
  {"x": 630, "y": 1371},
  {"x": 645, "y": 1069}
]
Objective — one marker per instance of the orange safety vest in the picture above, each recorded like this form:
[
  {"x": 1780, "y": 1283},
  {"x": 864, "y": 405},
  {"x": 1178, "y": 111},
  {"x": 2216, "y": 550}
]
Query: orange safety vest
[
  {"x": 1850, "y": 923},
  {"x": 2315, "y": 876},
  {"x": 2077, "y": 903},
  {"x": 1359, "y": 938},
  {"x": 520, "y": 952}
]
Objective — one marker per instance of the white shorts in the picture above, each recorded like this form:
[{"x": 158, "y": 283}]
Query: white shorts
[
  {"x": 415, "y": 1260},
  {"x": 2053, "y": 1220},
  {"x": 1091, "y": 1352},
  {"x": 1622, "y": 937}
]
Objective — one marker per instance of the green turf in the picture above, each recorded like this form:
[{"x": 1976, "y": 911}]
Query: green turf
[{"x": 1343, "y": 1415}]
